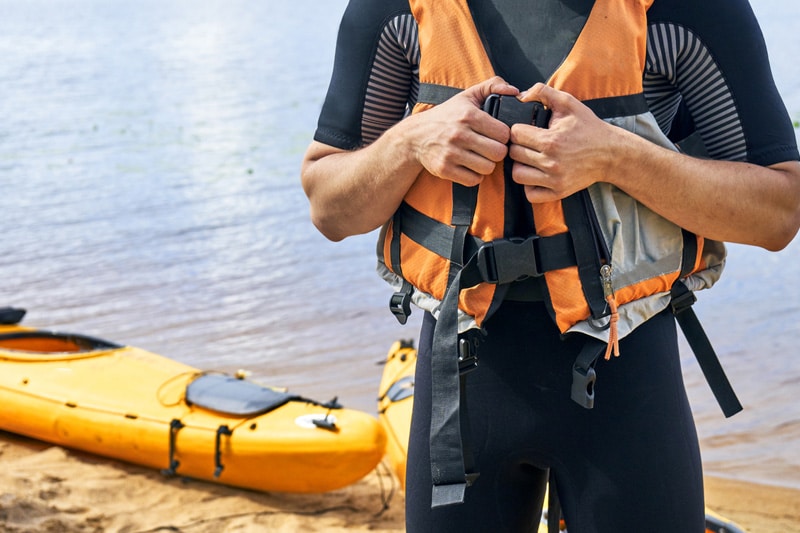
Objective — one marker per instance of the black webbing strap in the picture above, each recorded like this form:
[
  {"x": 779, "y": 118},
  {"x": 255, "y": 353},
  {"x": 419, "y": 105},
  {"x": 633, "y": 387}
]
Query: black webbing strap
[
  {"x": 689, "y": 255},
  {"x": 400, "y": 301},
  {"x": 551, "y": 253},
  {"x": 431, "y": 93},
  {"x": 682, "y": 300},
  {"x": 452, "y": 464},
  {"x": 448, "y": 467},
  {"x": 578, "y": 211},
  {"x": 465, "y": 199}
]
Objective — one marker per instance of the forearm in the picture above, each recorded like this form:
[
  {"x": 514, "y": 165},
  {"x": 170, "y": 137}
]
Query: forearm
[
  {"x": 726, "y": 201},
  {"x": 721, "y": 200},
  {"x": 354, "y": 192}
]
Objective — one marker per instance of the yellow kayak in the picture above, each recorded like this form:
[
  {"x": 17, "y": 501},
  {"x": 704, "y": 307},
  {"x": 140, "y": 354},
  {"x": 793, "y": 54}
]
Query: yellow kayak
[
  {"x": 395, "y": 399},
  {"x": 136, "y": 406}
]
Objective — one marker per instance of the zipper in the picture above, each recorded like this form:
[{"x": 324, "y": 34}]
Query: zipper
[{"x": 608, "y": 292}]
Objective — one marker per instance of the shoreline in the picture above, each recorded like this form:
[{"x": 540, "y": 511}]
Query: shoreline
[{"x": 50, "y": 488}]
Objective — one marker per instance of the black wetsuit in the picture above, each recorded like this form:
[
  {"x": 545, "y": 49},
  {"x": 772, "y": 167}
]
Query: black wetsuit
[{"x": 632, "y": 463}]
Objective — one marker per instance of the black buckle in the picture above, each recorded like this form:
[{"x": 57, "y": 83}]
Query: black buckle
[
  {"x": 400, "y": 305},
  {"x": 682, "y": 298},
  {"x": 582, "y": 391},
  {"x": 506, "y": 260},
  {"x": 510, "y": 110},
  {"x": 583, "y": 373},
  {"x": 467, "y": 356}
]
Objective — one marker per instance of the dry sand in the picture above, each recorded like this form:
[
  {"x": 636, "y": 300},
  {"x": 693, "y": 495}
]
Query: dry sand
[{"x": 46, "y": 488}]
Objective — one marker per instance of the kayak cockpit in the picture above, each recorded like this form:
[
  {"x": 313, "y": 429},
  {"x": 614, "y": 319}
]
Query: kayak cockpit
[{"x": 47, "y": 345}]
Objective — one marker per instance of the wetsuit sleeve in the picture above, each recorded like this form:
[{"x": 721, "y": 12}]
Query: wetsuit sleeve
[
  {"x": 708, "y": 71},
  {"x": 374, "y": 72}
]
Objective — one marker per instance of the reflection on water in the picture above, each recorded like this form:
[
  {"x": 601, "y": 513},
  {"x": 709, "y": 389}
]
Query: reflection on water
[{"x": 149, "y": 161}]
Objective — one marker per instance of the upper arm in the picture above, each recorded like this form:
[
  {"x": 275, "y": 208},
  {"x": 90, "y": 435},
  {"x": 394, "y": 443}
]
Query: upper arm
[
  {"x": 700, "y": 78},
  {"x": 374, "y": 73}
]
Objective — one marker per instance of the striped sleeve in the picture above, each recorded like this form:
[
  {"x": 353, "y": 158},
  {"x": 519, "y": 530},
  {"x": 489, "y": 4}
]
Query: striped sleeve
[
  {"x": 680, "y": 70},
  {"x": 375, "y": 73},
  {"x": 394, "y": 81}
]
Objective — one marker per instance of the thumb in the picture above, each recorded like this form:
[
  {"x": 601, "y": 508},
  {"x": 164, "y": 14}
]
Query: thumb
[
  {"x": 551, "y": 98},
  {"x": 480, "y": 92}
]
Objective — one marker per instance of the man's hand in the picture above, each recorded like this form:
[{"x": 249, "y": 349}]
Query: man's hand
[
  {"x": 573, "y": 153},
  {"x": 457, "y": 140}
]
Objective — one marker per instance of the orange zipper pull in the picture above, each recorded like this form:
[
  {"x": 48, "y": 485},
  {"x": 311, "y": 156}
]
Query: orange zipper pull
[{"x": 613, "y": 331}]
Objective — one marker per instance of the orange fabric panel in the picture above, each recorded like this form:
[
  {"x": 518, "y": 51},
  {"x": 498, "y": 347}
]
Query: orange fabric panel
[
  {"x": 549, "y": 218},
  {"x": 429, "y": 270},
  {"x": 489, "y": 219},
  {"x": 595, "y": 68},
  {"x": 447, "y": 43},
  {"x": 566, "y": 296},
  {"x": 648, "y": 287},
  {"x": 432, "y": 196},
  {"x": 478, "y": 298}
]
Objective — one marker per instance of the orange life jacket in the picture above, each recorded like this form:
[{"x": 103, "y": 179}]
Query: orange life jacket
[
  {"x": 604, "y": 70},
  {"x": 609, "y": 263}
]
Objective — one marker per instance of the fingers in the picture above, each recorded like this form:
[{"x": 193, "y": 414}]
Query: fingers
[
  {"x": 460, "y": 142},
  {"x": 497, "y": 85},
  {"x": 550, "y": 97}
]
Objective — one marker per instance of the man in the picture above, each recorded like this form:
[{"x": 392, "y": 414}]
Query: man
[{"x": 598, "y": 174}]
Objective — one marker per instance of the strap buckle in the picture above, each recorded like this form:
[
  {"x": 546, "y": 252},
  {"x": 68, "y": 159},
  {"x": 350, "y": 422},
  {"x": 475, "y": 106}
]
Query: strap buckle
[
  {"x": 467, "y": 356},
  {"x": 583, "y": 373},
  {"x": 682, "y": 298},
  {"x": 510, "y": 110},
  {"x": 582, "y": 391},
  {"x": 400, "y": 303},
  {"x": 506, "y": 260}
]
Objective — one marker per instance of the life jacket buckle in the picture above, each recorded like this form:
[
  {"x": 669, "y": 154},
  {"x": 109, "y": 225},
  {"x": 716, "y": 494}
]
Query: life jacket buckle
[
  {"x": 467, "y": 356},
  {"x": 400, "y": 304},
  {"x": 582, "y": 391},
  {"x": 510, "y": 110},
  {"x": 682, "y": 298},
  {"x": 584, "y": 374},
  {"x": 507, "y": 260}
]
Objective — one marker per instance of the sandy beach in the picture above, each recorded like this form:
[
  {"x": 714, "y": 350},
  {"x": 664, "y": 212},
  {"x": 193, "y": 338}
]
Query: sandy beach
[{"x": 46, "y": 488}]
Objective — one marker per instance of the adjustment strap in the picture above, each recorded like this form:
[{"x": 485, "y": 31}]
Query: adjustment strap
[
  {"x": 400, "y": 301},
  {"x": 689, "y": 256},
  {"x": 449, "y": 466},
  {"x": 682, "y": 301},
  {"x": 588, "y": 248},
  {"x": 551, "y": 253},
  {"x": 432, "y": 93},
  {"x": 465, "y": 200}
]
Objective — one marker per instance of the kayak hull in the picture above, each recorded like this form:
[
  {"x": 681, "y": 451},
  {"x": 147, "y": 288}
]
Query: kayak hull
[{"x": 129, "y": 404}]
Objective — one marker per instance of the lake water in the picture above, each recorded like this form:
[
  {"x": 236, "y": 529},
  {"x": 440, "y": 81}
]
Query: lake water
[{"x": 149, "y": 163}]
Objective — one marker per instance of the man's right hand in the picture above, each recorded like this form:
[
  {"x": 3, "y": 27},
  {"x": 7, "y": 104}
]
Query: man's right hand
[{"x": 457, "y": 140}]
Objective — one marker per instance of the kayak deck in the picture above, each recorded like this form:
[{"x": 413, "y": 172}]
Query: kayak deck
[{"x": 130, "y": 404}]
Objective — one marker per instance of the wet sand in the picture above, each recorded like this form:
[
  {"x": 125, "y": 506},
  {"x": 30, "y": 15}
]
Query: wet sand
[{"x": 47, "y": 488}]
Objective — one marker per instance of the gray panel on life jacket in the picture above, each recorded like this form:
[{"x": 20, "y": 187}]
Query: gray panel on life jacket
[
  {"x": 527, "y": 40},
  {"x": 232, "y": 396}
]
